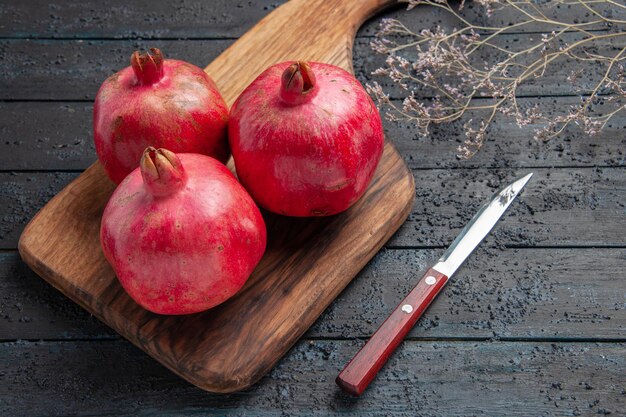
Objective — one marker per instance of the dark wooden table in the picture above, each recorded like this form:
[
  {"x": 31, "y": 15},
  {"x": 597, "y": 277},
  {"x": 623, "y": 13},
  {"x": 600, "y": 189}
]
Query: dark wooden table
[{"x": 533, "y": 324}]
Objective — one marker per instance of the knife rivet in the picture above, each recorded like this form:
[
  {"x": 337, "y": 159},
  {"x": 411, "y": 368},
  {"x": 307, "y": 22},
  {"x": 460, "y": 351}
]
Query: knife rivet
[
  {"x": 407, "y": 308},
  {"x": 430, "y": 280}
]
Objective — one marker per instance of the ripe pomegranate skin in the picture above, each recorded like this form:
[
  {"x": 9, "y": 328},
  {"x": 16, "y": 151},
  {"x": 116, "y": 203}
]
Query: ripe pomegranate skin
[
  {"x": 181, "y": 233},
  {"x": 306, "y": 139},
  {"x": 157, "y": 102}
]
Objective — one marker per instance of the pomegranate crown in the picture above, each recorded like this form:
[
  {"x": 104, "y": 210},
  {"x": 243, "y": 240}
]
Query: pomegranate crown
[
  {"x": 162, "y": 171},
  {"x": 297, "y": 83},
  {"x": 148, "y": 67}
]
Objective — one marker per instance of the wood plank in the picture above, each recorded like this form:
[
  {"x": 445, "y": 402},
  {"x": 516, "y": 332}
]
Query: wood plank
[
  {"x": 508, "y": 145},
  {"x": 21, "y": 196},
  {"x": 62, "y": 140},
  {"x": 79, "y": 67},
  {"x": 30, "y": 308},
  {"x": 499, "y": 293},
  {"x": 87, "y": 19},
  {"x": 558, "y": 207},
  {"x": 422, "y": 378},
  {"x": 446, "y": 200},
  {"x": 220, "y": 19}
]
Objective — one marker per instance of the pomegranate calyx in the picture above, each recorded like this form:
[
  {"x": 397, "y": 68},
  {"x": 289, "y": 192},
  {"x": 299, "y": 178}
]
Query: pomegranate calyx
[
  {"x": 148, "y": 67},
  {"x": 297, "y": 83},
  {"x": 162, "y": 171}
]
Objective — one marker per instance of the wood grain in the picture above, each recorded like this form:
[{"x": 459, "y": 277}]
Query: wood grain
[
  {"x": 118, "y": 19},
  {"x": 79, "y": 67},
  {"x": 592, "y": 196},
  {"x": 592, "y": 199},
  {"x": 428, "y": 378},
  {"x": 62, "y": 140},
  {"x": 198, "y": 19},
  {"x": 515, "y": 296},
  {"x": 308, "y": 261}
]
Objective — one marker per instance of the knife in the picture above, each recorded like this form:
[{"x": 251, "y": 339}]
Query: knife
[{"x": 362, "y": 369}]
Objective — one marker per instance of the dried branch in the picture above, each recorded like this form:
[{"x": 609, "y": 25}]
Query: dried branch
[{"x": 444, "y": 73}]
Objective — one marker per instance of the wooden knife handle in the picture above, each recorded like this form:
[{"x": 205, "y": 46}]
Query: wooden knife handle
[{"x": 362, "y": 369}]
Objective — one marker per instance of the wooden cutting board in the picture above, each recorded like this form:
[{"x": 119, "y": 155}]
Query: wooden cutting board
[{"x": 308, "y": 261}]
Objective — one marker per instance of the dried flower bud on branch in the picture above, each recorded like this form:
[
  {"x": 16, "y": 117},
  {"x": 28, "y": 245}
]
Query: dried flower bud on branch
[{"x": 450, "y": 74}]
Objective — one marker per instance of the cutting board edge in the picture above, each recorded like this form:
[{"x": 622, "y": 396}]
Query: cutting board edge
[{"x": 32, "y": 260}]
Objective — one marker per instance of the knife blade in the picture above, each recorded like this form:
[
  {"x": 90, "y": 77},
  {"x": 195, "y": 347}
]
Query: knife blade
[{"x": 364, "y": 366}]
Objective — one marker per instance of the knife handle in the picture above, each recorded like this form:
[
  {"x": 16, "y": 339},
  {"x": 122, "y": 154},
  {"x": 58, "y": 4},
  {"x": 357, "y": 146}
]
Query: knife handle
[{"x": 362, "y": 369}]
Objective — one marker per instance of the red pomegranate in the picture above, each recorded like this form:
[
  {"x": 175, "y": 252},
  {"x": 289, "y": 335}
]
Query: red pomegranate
[
  {"x": 181, "y": 233},
  {"x": 306, "y": 139},
  {"x": 157, "y": 102}
]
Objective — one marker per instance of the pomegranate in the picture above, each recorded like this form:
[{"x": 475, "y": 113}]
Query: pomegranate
[
  {"x": 181, "y": 233},
  {"x": 306, "y": 139},
  {"x": 157, "y": 102}
]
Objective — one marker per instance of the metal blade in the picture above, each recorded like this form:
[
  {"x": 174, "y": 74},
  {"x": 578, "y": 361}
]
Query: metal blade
[{"x": 480, "y": 225}]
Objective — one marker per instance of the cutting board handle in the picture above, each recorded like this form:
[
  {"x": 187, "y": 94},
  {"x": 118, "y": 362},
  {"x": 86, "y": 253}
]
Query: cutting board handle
[{"x": 307, "y": 30}]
